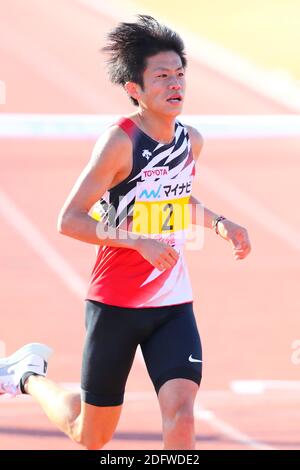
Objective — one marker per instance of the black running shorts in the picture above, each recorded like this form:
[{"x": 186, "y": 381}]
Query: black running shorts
[{"x": 169, "y": 341}]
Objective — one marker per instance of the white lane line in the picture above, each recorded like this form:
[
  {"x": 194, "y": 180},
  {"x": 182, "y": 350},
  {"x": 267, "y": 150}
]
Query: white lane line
[
  {"x": 247, "y": 205},
  {"x": 278, "y": 87},
  {"x": 90, "y": 126},
  {"x": 229, "y": 431},
  {"x": 37, "y": 242},
  {"x": 258, "y": 387}
]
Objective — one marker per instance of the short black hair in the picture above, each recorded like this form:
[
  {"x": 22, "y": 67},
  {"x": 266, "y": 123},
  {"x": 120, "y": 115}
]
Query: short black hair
[{"x": 130, "y": 44}]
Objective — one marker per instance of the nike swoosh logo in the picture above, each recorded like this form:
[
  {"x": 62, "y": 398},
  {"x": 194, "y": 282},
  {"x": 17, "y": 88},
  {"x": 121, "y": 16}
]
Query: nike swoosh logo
[{"x": 191, "y": 359}]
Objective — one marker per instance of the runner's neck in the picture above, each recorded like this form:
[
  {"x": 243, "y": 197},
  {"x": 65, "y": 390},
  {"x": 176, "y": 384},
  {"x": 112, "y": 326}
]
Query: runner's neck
[{"x": 161, "y": 130}]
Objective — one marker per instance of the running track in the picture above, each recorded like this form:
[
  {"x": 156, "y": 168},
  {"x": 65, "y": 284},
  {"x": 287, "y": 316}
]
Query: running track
[{"x": 247, "y": 311}]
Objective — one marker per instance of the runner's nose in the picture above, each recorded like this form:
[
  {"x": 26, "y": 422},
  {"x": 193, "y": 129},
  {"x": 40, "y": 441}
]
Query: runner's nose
[{"x": 174, "y": 84}]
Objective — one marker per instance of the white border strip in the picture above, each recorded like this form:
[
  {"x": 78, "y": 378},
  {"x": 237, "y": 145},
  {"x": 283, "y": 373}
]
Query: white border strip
[{"x": 90, "y": 126}]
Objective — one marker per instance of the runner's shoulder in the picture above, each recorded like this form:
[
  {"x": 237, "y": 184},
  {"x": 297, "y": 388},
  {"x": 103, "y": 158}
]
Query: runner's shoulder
[
  {"x": 114, "y": 146},
  {"x": 196, "y": 140},
  {"x": 114, "y": 138}
]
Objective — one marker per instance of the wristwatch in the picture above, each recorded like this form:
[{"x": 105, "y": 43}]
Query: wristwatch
[{"x": 216, "y": 221}]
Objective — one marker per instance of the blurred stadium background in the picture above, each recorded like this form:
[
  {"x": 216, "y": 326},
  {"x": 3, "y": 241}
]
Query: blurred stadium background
[{"x": 243, "y": 94}]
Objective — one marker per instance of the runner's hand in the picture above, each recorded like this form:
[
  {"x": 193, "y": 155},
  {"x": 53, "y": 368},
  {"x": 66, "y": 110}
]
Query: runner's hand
[
  {"x": 237, "y": 237},
  {"x": 161, "y": 255}
]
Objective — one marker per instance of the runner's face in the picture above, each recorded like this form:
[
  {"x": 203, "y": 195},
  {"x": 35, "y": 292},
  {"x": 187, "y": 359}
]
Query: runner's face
[{"x": 164, "y": 84}]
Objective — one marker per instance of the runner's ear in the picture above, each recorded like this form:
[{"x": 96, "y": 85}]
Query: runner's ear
[{"x": 133, "y": 90}]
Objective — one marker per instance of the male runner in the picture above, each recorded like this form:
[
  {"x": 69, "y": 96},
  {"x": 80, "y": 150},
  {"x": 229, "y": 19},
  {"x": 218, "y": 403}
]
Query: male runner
[{"x": 141, "y": 170}]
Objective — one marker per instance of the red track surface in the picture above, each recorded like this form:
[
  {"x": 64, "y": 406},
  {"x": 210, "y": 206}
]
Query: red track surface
[{"x": 247, "y": 311}]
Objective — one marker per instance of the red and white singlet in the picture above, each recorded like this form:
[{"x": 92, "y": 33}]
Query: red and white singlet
[{"x": 155, "y": 196}]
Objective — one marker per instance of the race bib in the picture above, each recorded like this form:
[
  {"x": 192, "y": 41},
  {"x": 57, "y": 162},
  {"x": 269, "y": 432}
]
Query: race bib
[{"x": 161, "y": 207}]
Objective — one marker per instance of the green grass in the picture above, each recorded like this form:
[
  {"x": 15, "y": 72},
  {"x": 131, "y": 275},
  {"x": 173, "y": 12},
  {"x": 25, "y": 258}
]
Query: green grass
[{"x": 264, "y": 31}]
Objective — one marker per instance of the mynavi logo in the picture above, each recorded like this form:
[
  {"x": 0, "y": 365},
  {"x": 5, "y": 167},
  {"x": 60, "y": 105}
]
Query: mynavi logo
[
  {"x": 147, "y": 154},
  {"x": 151, "y": 194}
]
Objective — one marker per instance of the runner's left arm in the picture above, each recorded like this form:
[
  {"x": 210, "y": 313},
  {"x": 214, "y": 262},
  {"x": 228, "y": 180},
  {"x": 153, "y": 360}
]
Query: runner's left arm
[{"x": 234, "y": 233}]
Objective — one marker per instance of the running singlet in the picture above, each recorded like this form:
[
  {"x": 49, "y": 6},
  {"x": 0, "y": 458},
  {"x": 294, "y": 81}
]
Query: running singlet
[{"x": 154, "y": 198}]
